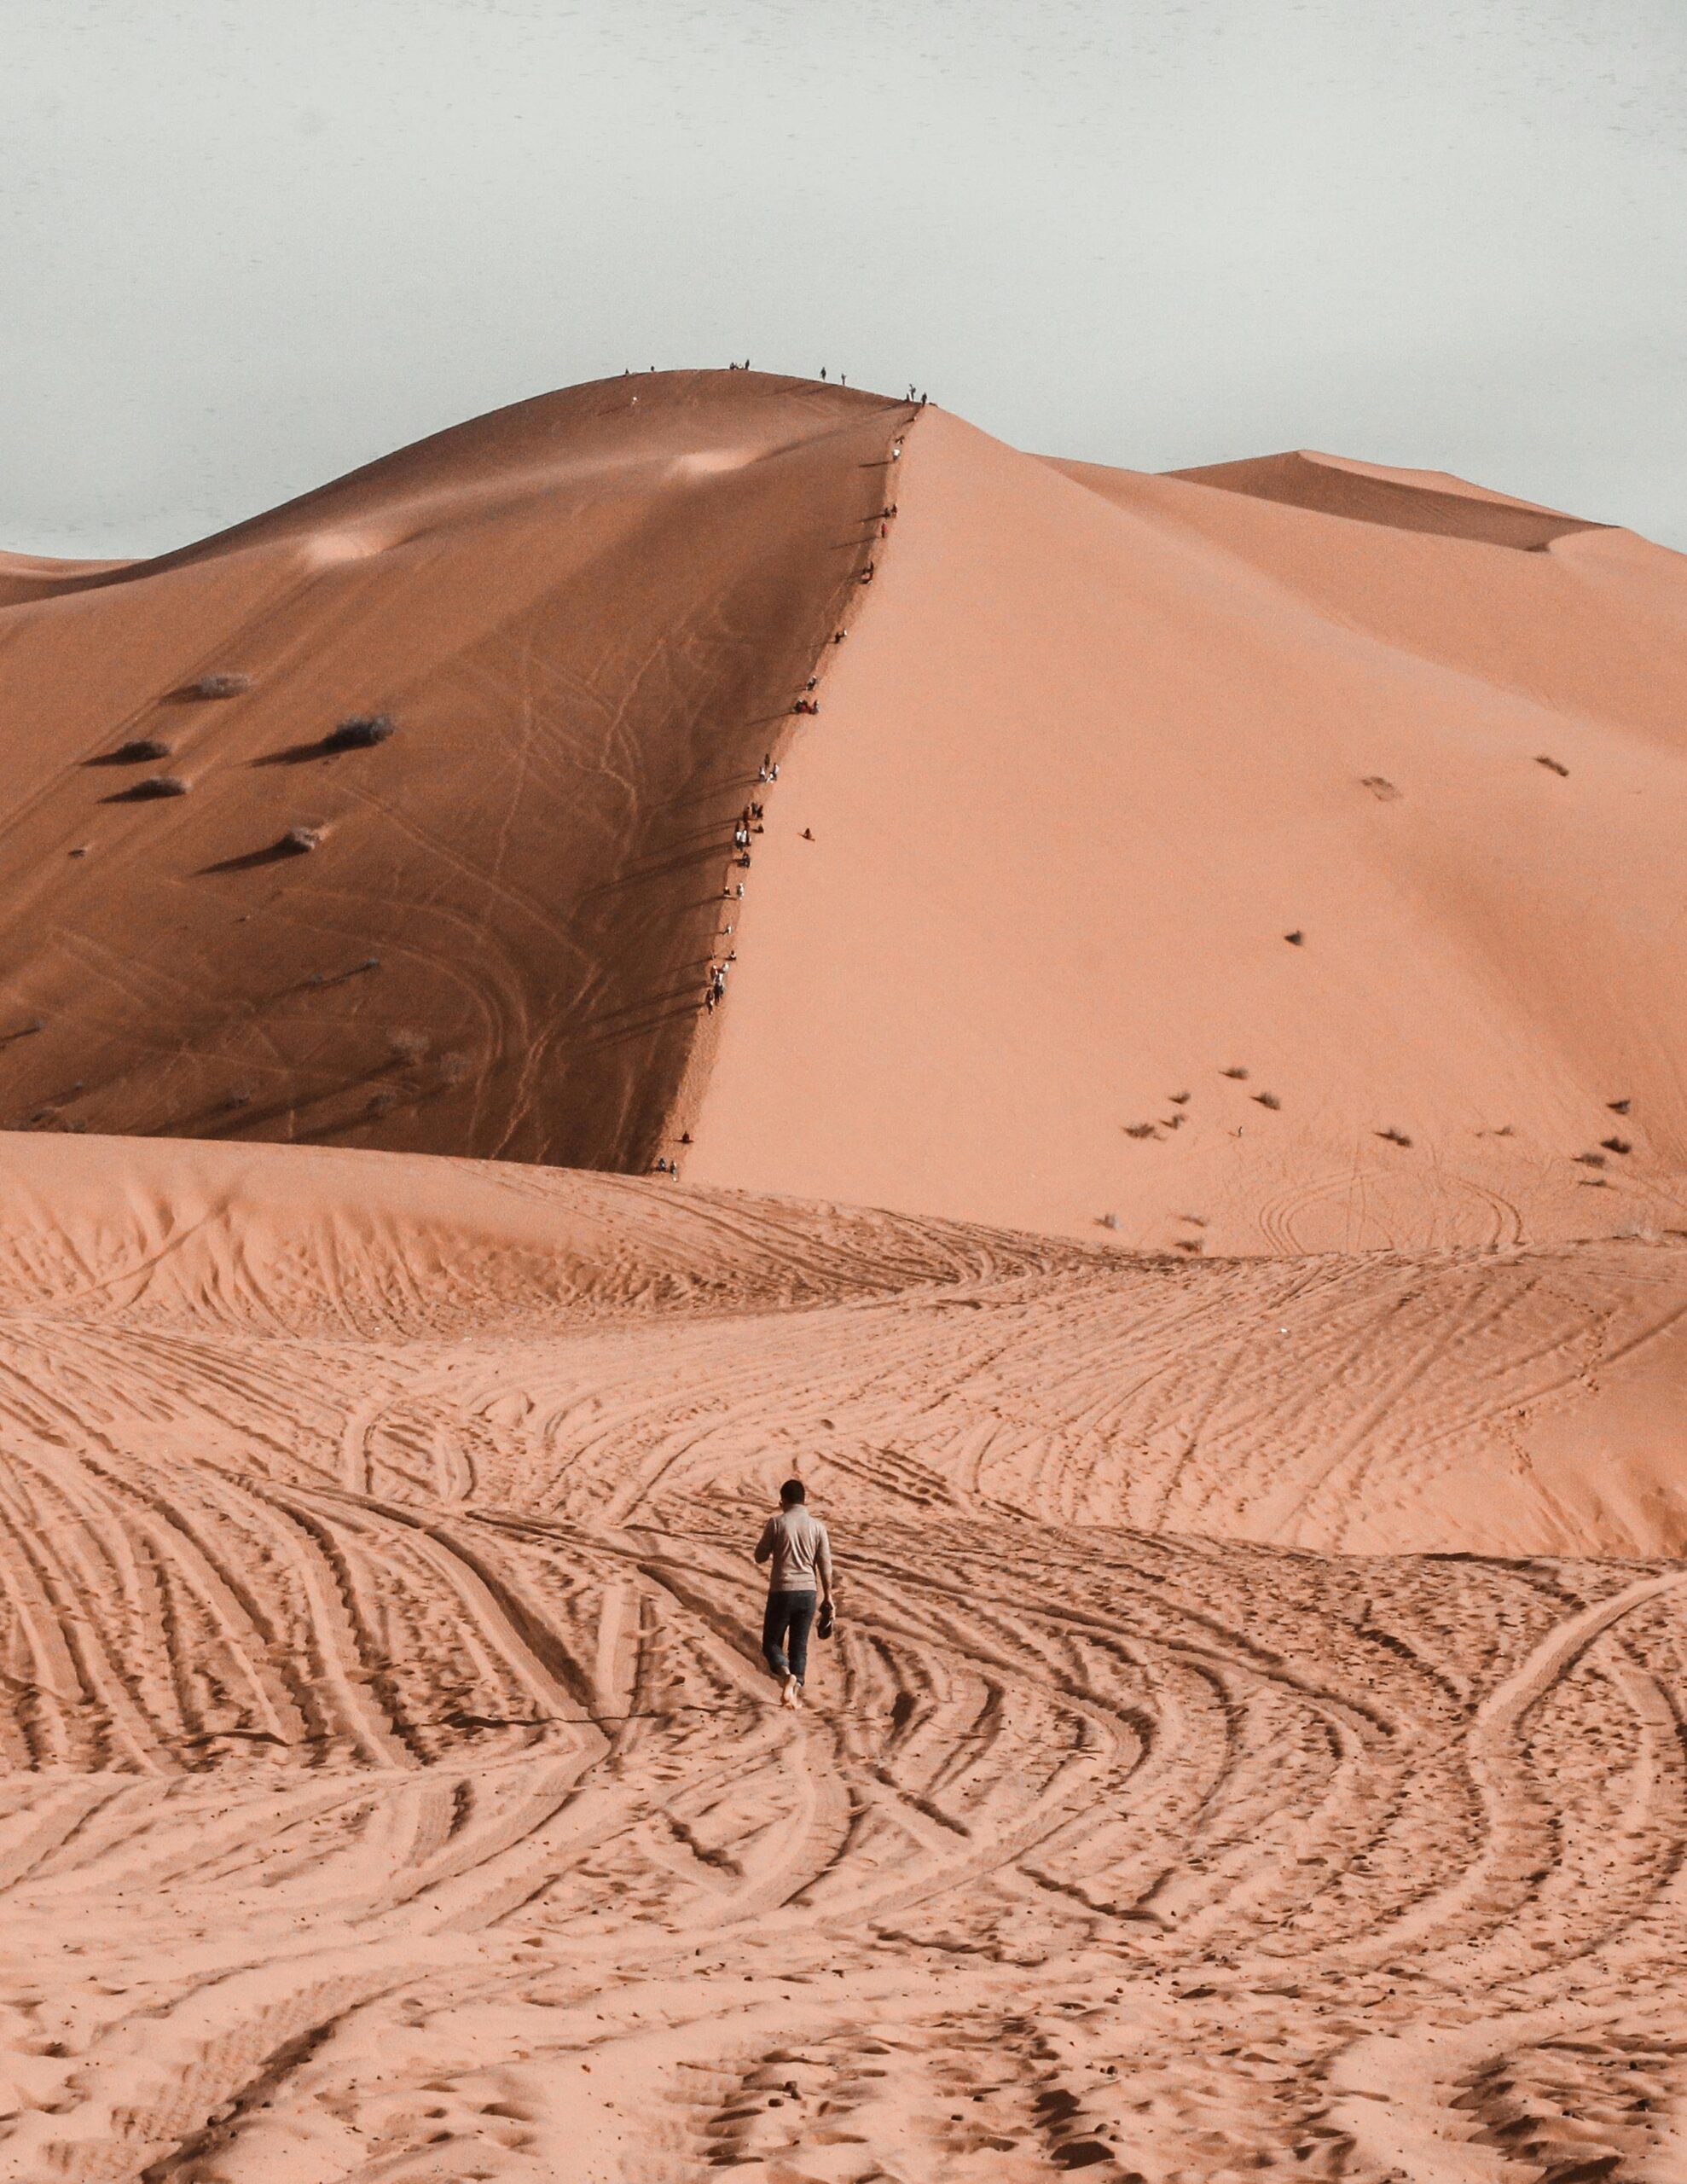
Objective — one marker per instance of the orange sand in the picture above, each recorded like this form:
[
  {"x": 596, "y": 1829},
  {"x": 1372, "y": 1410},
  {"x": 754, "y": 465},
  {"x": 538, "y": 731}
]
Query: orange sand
[
  {"x": 392, "y": 1789},
  {"x": 1252, "y": 1741}
]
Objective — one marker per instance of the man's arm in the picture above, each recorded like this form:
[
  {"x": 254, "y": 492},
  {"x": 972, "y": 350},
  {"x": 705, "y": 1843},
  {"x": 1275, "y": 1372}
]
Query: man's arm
[
  {"x": 823, "y": 1564},
  {"x": 764, "y": 1545}
]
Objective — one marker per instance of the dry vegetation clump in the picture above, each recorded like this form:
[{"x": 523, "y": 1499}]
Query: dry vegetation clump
[
  {"x": 299, "y": 841},
  {"x": 219, "y": 686},
  {"x": 157, "y": 785},
  {"x": 362, "y": 732},
  {"x": 139, "y": 747}
]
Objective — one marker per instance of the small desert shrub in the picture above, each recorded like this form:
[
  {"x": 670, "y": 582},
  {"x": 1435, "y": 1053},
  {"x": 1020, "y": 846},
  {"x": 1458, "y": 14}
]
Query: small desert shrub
[
  {"x": 299, "y": 841},
  {"x": 142, "y": 747},
  {"x": 158, "y": 785},
  {"x": 219, "y": 686},
  {"x": 362, "y": 732}
]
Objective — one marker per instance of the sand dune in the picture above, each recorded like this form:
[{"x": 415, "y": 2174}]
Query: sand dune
[
  {"x": 1271, "y": 844},
  {"x": 1185, "y": 1159},
  {"x": 381, "y": 1661}
]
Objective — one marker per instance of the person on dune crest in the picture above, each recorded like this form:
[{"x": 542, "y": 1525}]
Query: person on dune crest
[{"x": 796, "y": 1542}]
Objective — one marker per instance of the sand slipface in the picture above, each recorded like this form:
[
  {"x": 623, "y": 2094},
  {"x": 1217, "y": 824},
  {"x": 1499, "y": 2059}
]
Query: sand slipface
[{"x": 1251, "y": 1741}]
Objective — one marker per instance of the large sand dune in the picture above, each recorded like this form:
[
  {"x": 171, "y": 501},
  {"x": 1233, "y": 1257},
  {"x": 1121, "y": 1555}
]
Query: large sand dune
[
  {"x": 1015, "y": 945},
  {"x": 1186, "y": 1160},
  {"x": 393, "y": 1790}
]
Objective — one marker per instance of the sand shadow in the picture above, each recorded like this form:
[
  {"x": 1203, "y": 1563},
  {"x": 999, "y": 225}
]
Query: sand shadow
[
  {"x": 303, "y": 754},
  {"x": 139, "y": 751},
  {"x": 251, "y": 861},
  {"x": 148, "y": 791}
]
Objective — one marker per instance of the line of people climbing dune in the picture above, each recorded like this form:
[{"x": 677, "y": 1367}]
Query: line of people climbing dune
[{"x": 751, "y": 820}]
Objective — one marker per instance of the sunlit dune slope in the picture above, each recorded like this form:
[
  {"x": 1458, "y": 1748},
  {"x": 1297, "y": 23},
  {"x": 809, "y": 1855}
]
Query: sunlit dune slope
[
  {"x": 1281, "y": 858},
  {"x": 586, "y": 618},
  {"x": 615, "y": 1349}
]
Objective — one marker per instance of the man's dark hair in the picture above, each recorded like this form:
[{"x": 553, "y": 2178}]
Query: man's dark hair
[{"x": 793, "y": 1492}]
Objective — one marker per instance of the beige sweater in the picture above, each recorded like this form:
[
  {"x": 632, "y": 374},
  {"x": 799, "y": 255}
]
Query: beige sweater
[{"x": 797, "y": 1542}]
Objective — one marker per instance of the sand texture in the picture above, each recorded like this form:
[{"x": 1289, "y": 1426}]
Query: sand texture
[
  {"x": 1180, "y": 1142},
  {"x": 392, "y": 1789}
]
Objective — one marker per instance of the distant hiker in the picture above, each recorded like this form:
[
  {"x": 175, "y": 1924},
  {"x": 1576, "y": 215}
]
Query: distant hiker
[
  {"x": 796, "y": 1542},
  {"x": 822, "y": 371}
]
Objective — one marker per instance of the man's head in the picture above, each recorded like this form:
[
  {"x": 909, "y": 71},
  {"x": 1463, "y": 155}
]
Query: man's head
[{"x": 791, "y": 1493}]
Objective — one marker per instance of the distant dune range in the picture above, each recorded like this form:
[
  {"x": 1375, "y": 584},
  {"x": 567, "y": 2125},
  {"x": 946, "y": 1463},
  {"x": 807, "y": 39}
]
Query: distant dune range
[{"x": 1098, "y": 744}]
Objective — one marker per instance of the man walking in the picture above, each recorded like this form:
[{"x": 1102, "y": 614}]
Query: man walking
[{"x": 796, "y": 1543}]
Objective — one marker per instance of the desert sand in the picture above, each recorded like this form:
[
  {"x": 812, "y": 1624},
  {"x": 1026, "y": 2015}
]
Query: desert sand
[{"x": 1252, "y": 1742}]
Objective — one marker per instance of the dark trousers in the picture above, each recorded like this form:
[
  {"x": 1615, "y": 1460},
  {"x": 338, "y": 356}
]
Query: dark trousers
[{"x": 785, "y": 1633}]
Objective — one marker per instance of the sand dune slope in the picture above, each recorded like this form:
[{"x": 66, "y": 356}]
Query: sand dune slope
[
  {"x": 1280, "y": 856},
  {"x": 586, "y": 618},
  {"x": 1284, "y": 857},
  {"x": 379, "y": 1650}
]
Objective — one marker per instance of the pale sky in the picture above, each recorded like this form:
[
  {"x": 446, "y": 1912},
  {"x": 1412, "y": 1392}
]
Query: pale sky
[{"x": 246, "y": 244}]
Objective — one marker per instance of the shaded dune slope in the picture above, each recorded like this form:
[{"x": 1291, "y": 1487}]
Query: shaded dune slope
[
  {"x": 1257, "y": 877},
  {"x": 1422, "y": 501},
  {"x": 587, "y": 618}
]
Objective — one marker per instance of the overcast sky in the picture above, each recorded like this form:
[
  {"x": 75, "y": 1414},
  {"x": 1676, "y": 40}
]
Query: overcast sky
[{"x": 248, "y": 244}]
